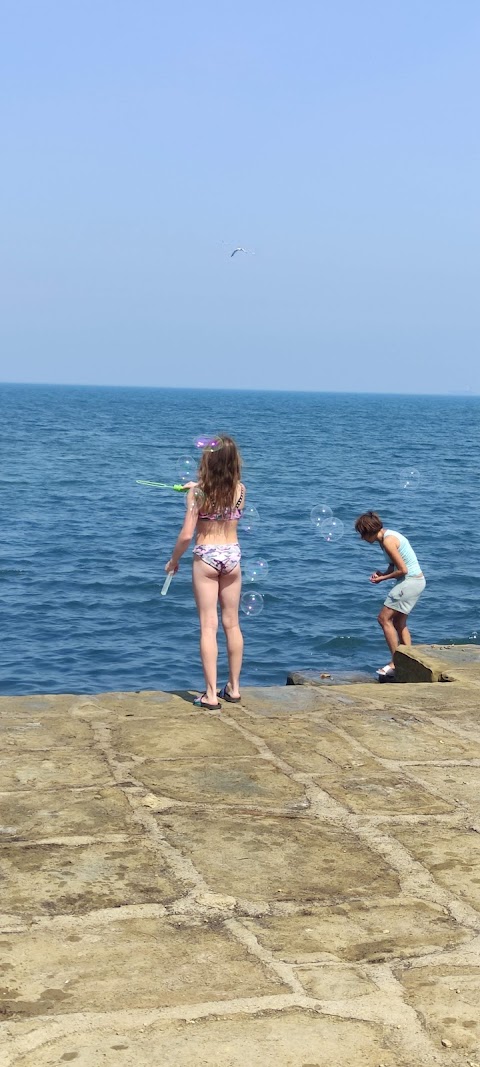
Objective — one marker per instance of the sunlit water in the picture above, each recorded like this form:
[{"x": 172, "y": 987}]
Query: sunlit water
[{"x": 83, "y": 547}]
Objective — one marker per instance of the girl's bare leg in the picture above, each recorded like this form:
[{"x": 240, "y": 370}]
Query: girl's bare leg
[
  {"x": 400, "y": 624},
  {"x": 385, "y": 618},
  {"x": 230, "y": 586},
  {"x": 205, "y": 588}
]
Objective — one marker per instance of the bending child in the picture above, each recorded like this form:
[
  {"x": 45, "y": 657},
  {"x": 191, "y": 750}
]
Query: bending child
[{"x": 405, "y": 569}]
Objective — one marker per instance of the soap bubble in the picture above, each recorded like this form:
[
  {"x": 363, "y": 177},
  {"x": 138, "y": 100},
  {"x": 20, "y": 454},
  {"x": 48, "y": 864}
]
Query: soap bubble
[
  {"x": 198, "y": 498},
  {"x": 209, "y": 442},
  {"x": 332, "y": 529},
  {"x": 187, "y": 468},
  {"x": 251, "y": 603},
  {"x": 410, "y": 478},
  {"x": 255, "y": 570},
  {"x": 319, "y": 514},
  {"x": 249, "y": 519}
]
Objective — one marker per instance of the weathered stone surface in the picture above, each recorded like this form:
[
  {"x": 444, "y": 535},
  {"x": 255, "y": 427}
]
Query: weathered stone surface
[
  {"x": 283, "y": 701},
  {"x": 447, "y": 998},
  {"x": 253, "y": 781},
  {"x": 436, "y": 663},
  {"x": 458, "y": 785},
  {"x": 335, "y": 983},
  {"x": 112, "y": 708},
  {"x": 42, "y": 814},
  {"x": 449, "y": 701},
  {"x": 325, "y": 678},
  {"x": 139, "y": 700},
  {"x": 62, "y": 879},
  {"x": 385, "y": 930},
  {"x": 162, "y": 864},
  {"x": 128, "y": 964},
  {"x": 55, "y": 770},
  {"x": 272, "y": 859},
  {"x": 313, "y": 746},
  {"x": 450, "y": 854},
  {"x": 363, "y": 789},
  {"x": 27, "y": 734},
  {"x": 292, "y": 1038},
  {"x": 38, "y": 705},
  {"x": 178, "y": 738},
  {"x": 406, "y": 736},
  {"x": 147, "y": 704}
]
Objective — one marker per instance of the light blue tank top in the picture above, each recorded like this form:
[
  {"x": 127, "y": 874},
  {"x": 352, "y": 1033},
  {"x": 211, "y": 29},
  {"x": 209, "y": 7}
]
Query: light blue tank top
[{"x": 406, "y": 551}]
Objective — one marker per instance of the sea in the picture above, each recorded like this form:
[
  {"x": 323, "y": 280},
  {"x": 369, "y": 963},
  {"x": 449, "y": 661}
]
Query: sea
[{"x": 83, "y": 546}]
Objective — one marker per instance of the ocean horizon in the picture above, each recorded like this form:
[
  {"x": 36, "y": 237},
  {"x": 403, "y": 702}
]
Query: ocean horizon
[{"x": 235, "y": 389}]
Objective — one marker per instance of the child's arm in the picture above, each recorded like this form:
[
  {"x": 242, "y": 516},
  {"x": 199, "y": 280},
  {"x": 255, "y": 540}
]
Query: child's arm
[
  {"x": 186, "y": 533},
  {"x": 397, "y": 568}
]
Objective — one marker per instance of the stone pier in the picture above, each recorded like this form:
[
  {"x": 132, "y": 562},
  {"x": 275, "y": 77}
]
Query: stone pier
[{"x": 293, "y": 882}]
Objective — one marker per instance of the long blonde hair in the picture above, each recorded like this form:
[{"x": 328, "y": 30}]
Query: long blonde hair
[{"x": 218, "y": 476}]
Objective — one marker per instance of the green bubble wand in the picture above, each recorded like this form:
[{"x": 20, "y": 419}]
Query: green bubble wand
[
  {"x": 178, "y": 489},
  {"x": 163, "y": 485}
]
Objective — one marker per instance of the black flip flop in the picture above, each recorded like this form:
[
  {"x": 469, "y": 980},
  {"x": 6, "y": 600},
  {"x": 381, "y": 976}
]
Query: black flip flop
[
  {"x": 199, "y": 703},
  {"x": 225, "y": 695}
]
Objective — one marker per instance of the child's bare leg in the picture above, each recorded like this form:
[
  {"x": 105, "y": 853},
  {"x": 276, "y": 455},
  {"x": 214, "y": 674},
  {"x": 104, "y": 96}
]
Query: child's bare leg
[
  {"x": 230, "y": 589},
  {"x": 385, "y": 618},
  {"x": 205, "y": 588},
  {"x": 400, "y": 623}
]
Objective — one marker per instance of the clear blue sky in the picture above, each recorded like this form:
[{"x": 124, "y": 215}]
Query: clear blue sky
[{"x": 143, "y": 140}]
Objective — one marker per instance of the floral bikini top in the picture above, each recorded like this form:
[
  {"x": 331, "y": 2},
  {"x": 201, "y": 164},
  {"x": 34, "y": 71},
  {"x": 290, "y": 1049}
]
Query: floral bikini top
[{"x": 229, "y": 515}]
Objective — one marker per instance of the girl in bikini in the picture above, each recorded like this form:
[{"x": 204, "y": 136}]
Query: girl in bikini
[{"x": 213, "y": 508}]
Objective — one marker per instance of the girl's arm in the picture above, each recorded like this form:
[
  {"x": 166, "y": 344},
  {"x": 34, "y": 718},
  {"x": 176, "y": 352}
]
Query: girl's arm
[
  {"x": 186, "y": 533},
  {"x": 388, "y": 572},
  {"x": 397, "y": 568}
]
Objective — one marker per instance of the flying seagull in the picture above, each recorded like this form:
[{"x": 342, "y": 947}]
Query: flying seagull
[{"x": 241, "y": 250}]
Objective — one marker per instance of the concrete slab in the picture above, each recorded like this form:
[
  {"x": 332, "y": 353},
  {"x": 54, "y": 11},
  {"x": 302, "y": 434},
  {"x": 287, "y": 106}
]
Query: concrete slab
[
  {"x": 437, "y": 663},
  {"x": 452, "y": 856},
  {"x": 406, "y": 736},
  {"x": 330, "y": 982},
  {"x": 46, "y": 732},
  {"x": 55, "y": 770},
  {"x": 368, "y": 933},
  {"x": 458, "y": 785},
  {"x": 57, "y": 879},
  {"x": 312, "y": 746},
  {"x": 248, "y": 902},
  {"x": 179, "y": 737},
  {"x": 364, "y": 790},
  {"x": 225, "y": 781},
  {"x": 447, "y": 998},
  {"x": 43, "y": 814},
  {"x": 291, "y": 1038},
  {"x": 115, "y": 707},
  {"x": 326, "y": 678},
  {"x": 38, "y": 705},
  {"x": 126, "y": 965},
  {"x": 451, "y": 701},
  {"x": 267, "y": 859},
  {"x": 143, "y": 700},
  {"x": 284, "y": 701}
]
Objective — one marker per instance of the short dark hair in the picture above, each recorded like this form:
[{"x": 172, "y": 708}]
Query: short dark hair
[{"x": 368, "y": 524}]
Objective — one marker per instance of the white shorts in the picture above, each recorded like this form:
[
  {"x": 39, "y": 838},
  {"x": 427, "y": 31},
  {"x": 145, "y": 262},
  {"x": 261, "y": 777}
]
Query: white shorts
[{"x": 405, "y": 594}]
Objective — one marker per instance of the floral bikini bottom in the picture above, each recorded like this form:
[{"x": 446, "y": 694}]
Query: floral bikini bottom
[{"x": 223, "y": 558}]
